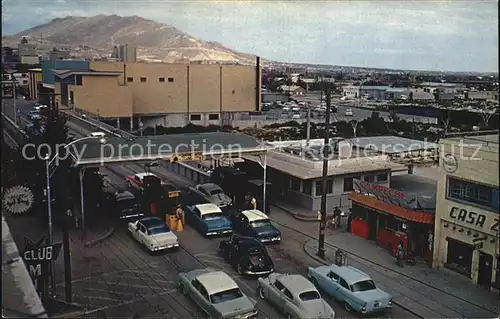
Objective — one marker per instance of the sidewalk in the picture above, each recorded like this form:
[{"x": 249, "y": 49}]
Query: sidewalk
[
  {"x": 428, "y": 293},
  {"x": 304, "y": 214}
]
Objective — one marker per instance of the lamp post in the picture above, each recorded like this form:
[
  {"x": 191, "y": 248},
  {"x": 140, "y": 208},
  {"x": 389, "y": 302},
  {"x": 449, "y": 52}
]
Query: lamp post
[{"x": 48, "y": 163}]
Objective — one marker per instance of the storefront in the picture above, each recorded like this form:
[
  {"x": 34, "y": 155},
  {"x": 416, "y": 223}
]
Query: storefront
[{"x": 379, "y": 214}]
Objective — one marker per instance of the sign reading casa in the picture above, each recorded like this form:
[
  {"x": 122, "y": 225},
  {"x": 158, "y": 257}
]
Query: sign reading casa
[{"x": 485, "y": 222}]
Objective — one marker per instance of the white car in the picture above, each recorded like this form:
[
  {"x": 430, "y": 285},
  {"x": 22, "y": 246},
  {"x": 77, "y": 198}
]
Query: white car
[
  {"x": 294, "y": 296},
  {"x": 286, "y": 108},
  {"x": 153, "y": 233},
  {"x": 136, "y": 181},
  {"x": 348, "y": 112},
  {"x": 98, "y": 134}
]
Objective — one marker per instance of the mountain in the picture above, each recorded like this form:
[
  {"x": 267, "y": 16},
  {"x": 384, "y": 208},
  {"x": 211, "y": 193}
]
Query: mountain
[{"x": 95, "y": 36}]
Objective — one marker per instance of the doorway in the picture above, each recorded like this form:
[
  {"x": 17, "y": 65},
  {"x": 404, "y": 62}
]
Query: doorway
[{"x": 485, "y": 270}]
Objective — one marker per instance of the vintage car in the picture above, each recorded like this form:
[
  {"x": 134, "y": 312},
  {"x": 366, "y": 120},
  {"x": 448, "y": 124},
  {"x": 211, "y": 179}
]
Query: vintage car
[
  {"x": 352, "y": 287},
  {"x": 217, "y": 294},
  {"x": 294, "y": 296},
  {"x": 208, "y": 219},
  {"x": 254, "y": 223},
  {"x": 153, "y": 234},
  {"x": 138, "y": 181},
  {"x": 213, "y": 194},
  {"x": 125, "y": 206},
  {"x": 247, "y": 255}
]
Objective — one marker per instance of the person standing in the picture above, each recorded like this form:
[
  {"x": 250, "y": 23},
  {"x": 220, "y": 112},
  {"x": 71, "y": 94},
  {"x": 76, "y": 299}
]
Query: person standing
[
  {"x": 336, "y": 217},
  {"x": 179, "y": 213}
]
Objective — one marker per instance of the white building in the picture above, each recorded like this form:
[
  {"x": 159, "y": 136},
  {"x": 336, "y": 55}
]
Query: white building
[
  {"x": 466, "y": 234},
  {"x": 22, "y": 79}
]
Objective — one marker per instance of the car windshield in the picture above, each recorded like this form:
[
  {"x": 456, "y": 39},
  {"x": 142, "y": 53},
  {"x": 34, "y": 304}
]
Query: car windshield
[
  {"x": 228, "y": 295},
  {"x": 216, "y": 191},
  {"x": 212, "y": 216},
  {"x": 260, "y": 223},
  {"x": 127, "y": 203},
  {"x": 364, "y": 285},
  {"x": 309, "y": 295},
  {"x": 159, "y": 230}
]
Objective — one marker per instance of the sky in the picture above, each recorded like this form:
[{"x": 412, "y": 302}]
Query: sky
[{"x": 419, "y": 35}]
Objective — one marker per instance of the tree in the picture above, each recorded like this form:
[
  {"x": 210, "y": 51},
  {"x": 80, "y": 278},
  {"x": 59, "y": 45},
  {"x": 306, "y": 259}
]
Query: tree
[
  {"x": 485, "y": 117},
  {"x": 446, "y": 120}
]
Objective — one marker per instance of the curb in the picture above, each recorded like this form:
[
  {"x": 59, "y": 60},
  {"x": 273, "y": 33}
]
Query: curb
[
  {"x": 299, "y": 216},
  {"x": 323, "y": 261},
  {"x": 100, "y": 239}
]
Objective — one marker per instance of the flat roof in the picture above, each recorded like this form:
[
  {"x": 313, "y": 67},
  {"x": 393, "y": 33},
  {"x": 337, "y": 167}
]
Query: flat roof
[
  {"x": 391, "y": 144},
  {"x": 150, "y": 148},
  {"x": 422, "y": 188},
  {"x": 64, "y": 73}
]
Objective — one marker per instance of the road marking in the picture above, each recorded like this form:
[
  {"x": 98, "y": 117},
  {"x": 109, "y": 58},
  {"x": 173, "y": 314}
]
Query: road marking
[
  {"x": 168, "y": 292},
  {"x": 145, "y": 279},
  {"x": 132, "y": 286},
  {"x": 97, "y": 297},
  {"x": 110, "y": 291}
]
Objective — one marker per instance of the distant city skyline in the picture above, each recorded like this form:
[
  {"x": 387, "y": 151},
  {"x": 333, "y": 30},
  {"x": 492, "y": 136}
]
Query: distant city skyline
[{"x": 420, "y": 35}]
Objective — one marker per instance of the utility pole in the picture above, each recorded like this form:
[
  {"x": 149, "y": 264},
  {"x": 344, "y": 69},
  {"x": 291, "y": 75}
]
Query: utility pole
[
  {"x": 354, "y": 125},
  {"x": 326, "y": 156},
  {"x": 67, "y": 257},
  {"x": 308, "y": 128}
]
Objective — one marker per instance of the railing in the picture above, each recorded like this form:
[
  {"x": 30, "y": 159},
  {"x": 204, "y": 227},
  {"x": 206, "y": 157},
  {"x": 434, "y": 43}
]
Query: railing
[
  {"x": 93, "y": 124},
  {"x": 16, "y": 132}
]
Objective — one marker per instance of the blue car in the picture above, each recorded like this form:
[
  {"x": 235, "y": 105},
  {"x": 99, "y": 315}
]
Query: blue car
[
  {"x": 352, "y": 287},
  {"x": 256, "y": 224},
  {"x": 208, "y": 219}
]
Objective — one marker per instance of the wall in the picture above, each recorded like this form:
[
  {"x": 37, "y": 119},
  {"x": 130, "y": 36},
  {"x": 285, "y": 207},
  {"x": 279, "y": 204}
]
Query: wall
[
  {"x": 47, "y": 65},
  {"x": 35, "y": 77},
  {"x": 483, "y": 171},
  {"x": 102, "y": 93},
  {"x": 31, "y": 60}
]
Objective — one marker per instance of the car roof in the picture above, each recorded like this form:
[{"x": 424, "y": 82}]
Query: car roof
[
  {"x": 208, "y": 208},
  {"x": 151, "y": 222},
  {"x": 254, "y": 215},
  {"x": 248, "y": 241},
  {"x": 124, "y": 195},
  {"x": 216, "y": 281},
  {"x": 97, "y": 134},
  {"x": 350, "y": 274},
  {"x": 296, "y": 284},
  {"x": 141, "y": 175},
  {"x": 209, "y": 186}
]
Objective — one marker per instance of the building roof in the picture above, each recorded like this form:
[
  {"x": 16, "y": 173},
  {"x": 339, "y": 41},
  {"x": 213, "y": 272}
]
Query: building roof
[
  {"x": 391, "y": 144},
  {"x": 296, "y": 283},
  {"x": 216, "y": 281},
  {"x": 401, "y": 212},
  {"x": 374, "y": 87},
  {"x": 208, "y": 209},
  {"x": 64, "y": 73},
  {"x": 35, "y": 70},
  {"x": 350, "y": 274},
  {"x": 398, "y": 90},
  {"x": 422, "y": 188},
  {"x": 254, "y": 215},
  {"x": 151, "y": 148}
]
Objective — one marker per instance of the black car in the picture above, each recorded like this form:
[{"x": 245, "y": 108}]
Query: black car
[
  {"x": 125, "y": 206},
  {"x": 247, "y": 255},
  {"x": 256, "y": 224}
]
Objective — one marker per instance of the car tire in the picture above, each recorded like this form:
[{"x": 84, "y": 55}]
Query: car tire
[
  {"x": 239, "y": 268},
  {"x": 347, "y": 306},
  {"x": 262, "y": 295}
]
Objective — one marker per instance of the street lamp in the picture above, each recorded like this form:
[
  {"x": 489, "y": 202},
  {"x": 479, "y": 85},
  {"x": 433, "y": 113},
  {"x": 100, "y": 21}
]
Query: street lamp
[
  {"x": 49, "y": 174},
  {"x": 141, "y": 126}
]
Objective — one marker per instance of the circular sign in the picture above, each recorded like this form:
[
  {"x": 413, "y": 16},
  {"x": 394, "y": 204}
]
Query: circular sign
[
  {"x": 18, "y": 199},
  {"x": 450, "y": 163}
]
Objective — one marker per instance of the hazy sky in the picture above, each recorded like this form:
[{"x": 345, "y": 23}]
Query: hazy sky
[{"x": 426, "y": 35}]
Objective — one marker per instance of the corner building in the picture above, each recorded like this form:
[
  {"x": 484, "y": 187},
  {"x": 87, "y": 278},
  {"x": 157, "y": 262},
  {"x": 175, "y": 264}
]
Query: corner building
[{"x": 466, "y": 234}]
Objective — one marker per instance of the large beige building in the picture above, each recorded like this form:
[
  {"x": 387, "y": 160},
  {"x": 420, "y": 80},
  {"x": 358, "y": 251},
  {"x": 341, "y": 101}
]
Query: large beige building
[
  {"x": 169, "y": 94},
  {"x": 466, "y": 235}
]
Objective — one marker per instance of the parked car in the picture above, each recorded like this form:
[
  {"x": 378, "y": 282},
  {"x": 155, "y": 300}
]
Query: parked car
[
  {"x": 98, "y": 134},
  {"x": 348, "y": 112},
  {"x": 247, "y": 255},
  {"x": 294, "y": 296},
  {"x": 137, "y": 182},
  {"x": 217, "y": 294},
  {"x": 124, "y": 205},
  {"x": 213, "y": 194},
  {"x": 254, "y": 223},
  {"x": 153, "y": 234},
  {"x": 208, "y": 219},
  {"x": 352, "y": 287}
]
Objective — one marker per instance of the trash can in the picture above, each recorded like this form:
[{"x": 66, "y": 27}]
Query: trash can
[{"x": 172, "y": 221}]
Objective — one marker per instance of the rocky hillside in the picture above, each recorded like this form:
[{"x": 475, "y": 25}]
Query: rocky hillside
[{"x": 154, "y": 41}]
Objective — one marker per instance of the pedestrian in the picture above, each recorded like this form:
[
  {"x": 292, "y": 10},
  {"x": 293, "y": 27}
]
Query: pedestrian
[
  {"x": 349, "y": 221},
  {"x": 253, "y": 203},
  {"x": 336, "y": 217},
  {"x": 179, "y": 213}
]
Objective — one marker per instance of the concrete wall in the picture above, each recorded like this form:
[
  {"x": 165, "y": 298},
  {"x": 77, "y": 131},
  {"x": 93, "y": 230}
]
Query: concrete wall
[
  {"x": 35, "y": 77},
  {"x": 103, "y": 95},
  {"x": 47, "y": 65},
  {"x": 192, "y": 89},
  {"x": 483, "y": 171}
]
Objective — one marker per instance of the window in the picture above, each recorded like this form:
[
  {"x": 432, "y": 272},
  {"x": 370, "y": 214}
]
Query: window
[
  {"x": 25, "y": 81},
  {"x": 343, "y": 283},
  {"x": 143, "y": 79},
  {"x": 307, "y": 187},
  {"x": 369, "y": 178},
  {"x": 226, "y": 295},
  {"x": 348, "y": 184},
  {"x": 288, "y": 294},
  {"x": 382, "y": 177},
  {"x": 170, "y": 80},
  {"x": 473, "y": 193},
  {"x": 295, "y": 184},
  {"x": 78, "y": 80},
  {"x": 319, "y": 187},
  {"x": 333, "y": 275},
  {"x": 213, "y": 117},
  {"x": 130, "y": 79},
  {"x": 309, "y": 295},
  {"x": 364, "y": 285},
  {"x": 279, "y": 285},
  {"x": 459, "y": 257},
  {"x": 195, "y": 117},
  {"x": 161, "y": 80}
]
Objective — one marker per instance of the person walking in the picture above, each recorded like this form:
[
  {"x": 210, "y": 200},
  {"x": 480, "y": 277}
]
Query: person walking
[{"x": 336, "y": 217}]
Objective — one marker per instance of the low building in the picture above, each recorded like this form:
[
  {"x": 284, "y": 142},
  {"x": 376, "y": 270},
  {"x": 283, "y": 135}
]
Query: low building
[
  {"x": 125, "y": 53},
  {"x": 477, "y": 95},
  {"x": 398, "y": 94},
  {"x": 350, "y": 91},
  {"x": 270, "y": 97},
  {"x": 296, "y": 172},
  {"x": 293, "y": 89},
  {"x": 421, "y": 96},
  {"x": 30, "y": 59},
  {"x": 22, "y": 79},
  {"x": 373, "y": 92},
  {"x": 59, "y": 54},
  {"x": 35, "y": 81},
  {"x": 467, "y": 224}
]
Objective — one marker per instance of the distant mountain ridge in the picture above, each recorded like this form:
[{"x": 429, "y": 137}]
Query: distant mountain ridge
[{"x": 154, "y": 41}]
